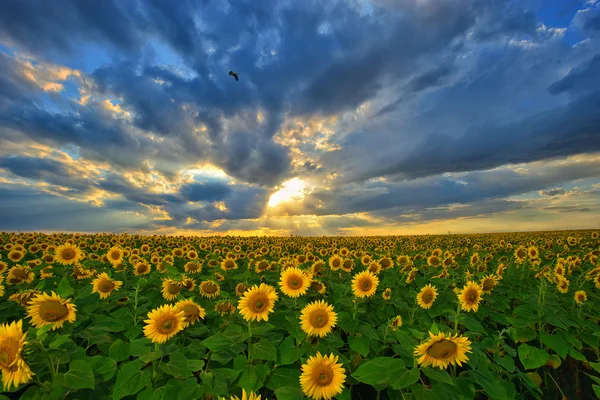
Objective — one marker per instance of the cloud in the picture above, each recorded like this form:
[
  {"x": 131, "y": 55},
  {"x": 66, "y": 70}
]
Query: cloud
[{"x": 552, "y": 192}]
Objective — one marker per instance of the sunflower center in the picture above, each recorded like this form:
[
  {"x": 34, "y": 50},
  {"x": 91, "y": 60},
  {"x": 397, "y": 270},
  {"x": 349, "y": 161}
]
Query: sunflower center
[
  {"x": 366, "y": 285},
  {"x": 336, "y": 263},
  {"x": 115, "y": 255},
  {"x": 442, "y": 349},
  {"x": 323, "y": 375},
  {"x": 428, "y": 297},
  {"x": 295, "y": 282},
  {"x": 259, "y": 303},
  {"x": 190, "y": 312},
  {"x": 142, "y": 268},
  {"x": 20, "y": 273},
  {"x": 8, "y": 351},
  {"x": 385, "y": 263},
  {"x": 173, "y": 288},
  {"x": 167, "y": 326},
  {"x": 210, "y": 288},
  {"x": 15, "y": 256},
  {"x": 319, "y": 318},
  {"x": 68, "y": 254},
  {"x": 472, "y": 296},
  {"x": 488, "y": 284},
  {"x": 106, "y": 286},
  {"x": 520, "y": 254},
  {"x": 52, "y": 311}
]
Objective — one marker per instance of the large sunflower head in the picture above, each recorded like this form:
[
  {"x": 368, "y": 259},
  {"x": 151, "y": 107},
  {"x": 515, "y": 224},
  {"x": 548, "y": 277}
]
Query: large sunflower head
[
  {"x": 434, "y": 261},
  {"x": 441, "y": 351},
  {"x": 364, "y": 284},
  {"x": 488, "y": 283},
  {"x": 322, "y": 377},
  {"x": 115, "y": 255},
  {"x": 193, "y": 267},
  {"x": 374, "y": 267},
  {"x": 426, "y": 296},
  {"x": 24, "y": 298},
  {"x": 470, "y": 297},
  {"x": 163, "y": 323},
  {"x": 335, "y": 262},
  {"x": 171, "y": 289},
  {"x": 45, "y": 309},
  {"x": 67, "y": 254},
  {"x": 210, "y": 289},
  {"x": 191, "y": 311},
  {"x": 15, "y": 256},
  {"x": 294, "y": 282},
  {"x": 104, "y": 285},
  {"x": 318, "y": 319},
  {"x": 228, "y": 264},
  {"x": 14, "y": 369},
  {"x": 386, "y": 263},
  {"x": 20, "y": 274},
  {"x": 258, "y": 302}
]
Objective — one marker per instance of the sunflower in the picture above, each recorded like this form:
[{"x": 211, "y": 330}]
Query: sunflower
[
  {"x": 81, "y": 273},
  {"x": 262, "y": 266},
  {"x": 318, "y": 318},
  {"x": 20, "y": 274},
  {"x": 115, "y": 256},
  {"x": 15, "y": 256},
  {"x": 14, "y": 369},
  {"x": 240, "y": 289},
  {"x": 411, "y": 275},
  {"x": 258, "y": 302},
  {"x": 210, "y": 289},
  {"x": 104, "y": 285},
  {"x": 580, "y": 296},
  {"x": 52, "y": 309},
  {"x": 533, "y": 253},
  {"x": 386, "y": 263},
  {"x": 441, "y": 351},
  {"x": 488, "y": 283},
  {"x": 192, "y": 255},
  {"x": 395, "y": 323},
  {"x": 171, "y": 289},
  {"x": 3, "y": 267},
  {"x": 374, "y": 267},
  {"x": 387, "y": 294},
  {"x": 187, "y": 283},
  {"x": 474, "y": 259},
  {"x": 470, "y": 296},
  {"x": 426, "y": 296},
  {"x": 163, "y": 323},
  {"x": 24, "y": 298},
  {"x": 245, "y": 396},
  {"x": 562, "y": 284},
  {"x": 321, "y": 377},
  {"x": 67, "y": 254},
  {"x": 46, "y": 272},
  {"x": 520, "y": 254},
  {"x": 193, "y": 267},
  {"x": 224, "y": 308},
  {"x": 191, "y": 312},
  {"x": 433, "y": 261},
  {"x": 141, "y": 268},
  {"x": 335, "y": 262},
  {"x": 294, "y": 282},
  {"x": 364, "y": 284},
  {"x": 228, "y": 264}
]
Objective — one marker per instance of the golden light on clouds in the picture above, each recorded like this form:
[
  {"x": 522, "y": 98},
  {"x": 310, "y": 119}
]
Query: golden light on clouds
[{"x": 292, "y": 190}]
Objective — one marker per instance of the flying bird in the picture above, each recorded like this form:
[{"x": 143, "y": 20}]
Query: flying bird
[{"x": 235, "y": 75}]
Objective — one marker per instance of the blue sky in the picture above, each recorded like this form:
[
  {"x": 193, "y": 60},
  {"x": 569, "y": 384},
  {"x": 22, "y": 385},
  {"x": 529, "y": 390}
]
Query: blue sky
[{"x": 350, "y": 116}]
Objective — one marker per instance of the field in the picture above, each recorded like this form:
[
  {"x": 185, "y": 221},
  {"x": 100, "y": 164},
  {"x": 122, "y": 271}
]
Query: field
[{"x": 499, "y": 316}]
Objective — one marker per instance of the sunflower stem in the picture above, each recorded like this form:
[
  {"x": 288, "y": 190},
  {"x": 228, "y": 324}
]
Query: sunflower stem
[
  {"x": 456, "y": 318},
  {"x": 249, "y": 341}
]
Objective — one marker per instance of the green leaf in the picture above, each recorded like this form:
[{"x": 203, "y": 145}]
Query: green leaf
[
  {"x": 190, "y": 390},
  {"x": 379, "y": 372},
  {"x": 438, "y": 375},
  {"x": 554, "y": 343},
  {"x": 195, "y": 365},
  {"x": 282, "y": 377},
  {"x": 288, "y": 352},
  {"x": 177, "y": 366},
  {"x": 104, "y": 367},
  {"x": 119, "y": 350},
  {"x": 596, "y": 390},
  {"x": 249, "y": 380},
  {"x": 576, "y": 355},
  {"x": 131, "y": 379},
  {"x": 408, "y": 378},
  {"x": 139, "y": 347},
  {"x": 79, "y": 376},
  {"x": 43, "y": 330},
  {"x": 289, "y": 393},
  {"x": 218, "y": 342},
  {"x": 64, "y": 288},
  {"x": 473, "y": 324},
  {"x": 359, "y": 344},
  {"x": 532, "y": 357},
  {"x": 263, "y": 350},
  {"x": 505, "y": 362}
]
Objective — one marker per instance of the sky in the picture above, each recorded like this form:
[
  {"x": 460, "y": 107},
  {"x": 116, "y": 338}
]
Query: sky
[{"x": 350, "y": 117}]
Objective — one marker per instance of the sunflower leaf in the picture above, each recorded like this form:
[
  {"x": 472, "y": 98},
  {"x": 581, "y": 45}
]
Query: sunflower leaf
[
  {"x": 379, "y": 372},
  {"x": 532, "y": 357},
  {"x": 79, "y": 376}
]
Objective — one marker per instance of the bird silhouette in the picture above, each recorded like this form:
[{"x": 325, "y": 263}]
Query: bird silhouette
[{"x": 235, "y": 75}]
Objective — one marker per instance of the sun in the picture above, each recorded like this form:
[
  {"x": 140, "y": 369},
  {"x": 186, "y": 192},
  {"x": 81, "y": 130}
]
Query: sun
[{"x": 293, "y": 189}]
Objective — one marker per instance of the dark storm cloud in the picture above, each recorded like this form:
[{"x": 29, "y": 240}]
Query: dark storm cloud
[
  {"x": 583, "y": 79},
  {"x": 552, "y": 192},
  {"x": 209, "y": 191}
]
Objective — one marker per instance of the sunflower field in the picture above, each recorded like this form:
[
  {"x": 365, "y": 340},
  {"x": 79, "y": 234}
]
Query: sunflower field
[{"x": 104, "y": 316}]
